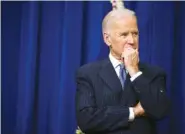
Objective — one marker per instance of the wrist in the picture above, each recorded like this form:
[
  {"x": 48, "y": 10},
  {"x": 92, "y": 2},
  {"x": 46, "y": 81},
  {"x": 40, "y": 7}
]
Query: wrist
[
  {"x": 133, "y": 70},
  {"x": 135, "y": 111}
]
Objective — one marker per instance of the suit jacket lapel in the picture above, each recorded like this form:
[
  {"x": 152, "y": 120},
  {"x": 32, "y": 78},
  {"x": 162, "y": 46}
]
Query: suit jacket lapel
[{"x": 109, "y": 76}]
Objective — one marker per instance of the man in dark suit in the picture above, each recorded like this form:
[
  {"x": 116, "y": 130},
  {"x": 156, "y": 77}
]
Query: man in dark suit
[{"x": 120, "y": 95}]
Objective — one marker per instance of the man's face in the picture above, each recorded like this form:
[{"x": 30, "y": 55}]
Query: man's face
[{"x": 123, "y": 33}]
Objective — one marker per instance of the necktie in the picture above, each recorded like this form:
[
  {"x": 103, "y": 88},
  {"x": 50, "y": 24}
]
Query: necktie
[{"x": 122, "y": 75}]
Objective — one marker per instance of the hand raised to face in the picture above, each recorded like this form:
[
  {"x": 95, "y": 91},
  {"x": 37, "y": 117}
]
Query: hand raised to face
[{"x": 130, "y": 58}]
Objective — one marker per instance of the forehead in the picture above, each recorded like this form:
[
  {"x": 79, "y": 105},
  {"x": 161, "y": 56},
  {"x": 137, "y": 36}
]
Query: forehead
[{"x": 124, "y": 23}]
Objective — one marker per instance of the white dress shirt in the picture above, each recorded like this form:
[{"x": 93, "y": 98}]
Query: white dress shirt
[{"x": 115, "y": 64}]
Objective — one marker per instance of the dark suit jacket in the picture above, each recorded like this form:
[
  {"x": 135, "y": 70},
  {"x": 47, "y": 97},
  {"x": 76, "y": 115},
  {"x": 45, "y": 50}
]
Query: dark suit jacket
[{"x": 102, "y": 107}]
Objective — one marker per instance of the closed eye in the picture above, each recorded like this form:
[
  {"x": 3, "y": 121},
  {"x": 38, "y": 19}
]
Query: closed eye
[
  {"x": 124, "y": 34},
  {"x": 135, "y": 33}
]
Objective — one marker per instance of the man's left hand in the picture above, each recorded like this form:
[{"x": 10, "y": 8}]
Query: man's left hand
[{"x": 138, "y": 110}]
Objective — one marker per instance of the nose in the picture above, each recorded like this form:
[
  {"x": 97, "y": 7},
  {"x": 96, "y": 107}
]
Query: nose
[{"x": 130, "y": 39}]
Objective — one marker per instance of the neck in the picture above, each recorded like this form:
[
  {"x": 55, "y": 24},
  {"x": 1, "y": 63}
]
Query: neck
[{"x": 116, "y": 56}]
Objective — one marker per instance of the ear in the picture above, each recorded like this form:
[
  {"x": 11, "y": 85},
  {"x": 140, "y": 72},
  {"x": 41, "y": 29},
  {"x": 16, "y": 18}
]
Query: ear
[{"x": 106, "y": 38}]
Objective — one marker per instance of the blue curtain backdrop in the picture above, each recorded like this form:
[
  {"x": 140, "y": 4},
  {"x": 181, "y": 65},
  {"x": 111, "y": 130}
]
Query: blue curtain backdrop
[{"x": 43, "y": 43}]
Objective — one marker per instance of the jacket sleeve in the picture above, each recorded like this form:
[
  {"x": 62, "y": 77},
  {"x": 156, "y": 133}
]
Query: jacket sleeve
[
  {"x": 93, "y": 119},
  {"x": 151, "y": 91}
]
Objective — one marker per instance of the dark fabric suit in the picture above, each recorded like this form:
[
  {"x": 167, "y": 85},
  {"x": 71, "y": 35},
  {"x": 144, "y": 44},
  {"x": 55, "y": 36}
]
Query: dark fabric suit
[{"x": 102, "y": 107}]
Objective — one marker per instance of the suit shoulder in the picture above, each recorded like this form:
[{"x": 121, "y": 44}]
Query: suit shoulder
[{"x": 90, "y": 68}]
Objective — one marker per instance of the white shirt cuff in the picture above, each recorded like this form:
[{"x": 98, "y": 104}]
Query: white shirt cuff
[
  {"x": 135, "y": 76},
  {"x": 131, "y": 114}
]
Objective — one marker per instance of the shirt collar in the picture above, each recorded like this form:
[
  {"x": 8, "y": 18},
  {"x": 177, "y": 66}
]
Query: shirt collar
[{"x": 114, "y": 61}]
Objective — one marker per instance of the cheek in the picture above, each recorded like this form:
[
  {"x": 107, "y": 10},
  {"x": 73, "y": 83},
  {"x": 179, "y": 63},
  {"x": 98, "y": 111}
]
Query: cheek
[
  {"x": 118, "y": 44},
  {"x": 136, "y": 40},
  {"x": 121, "y": 45}
]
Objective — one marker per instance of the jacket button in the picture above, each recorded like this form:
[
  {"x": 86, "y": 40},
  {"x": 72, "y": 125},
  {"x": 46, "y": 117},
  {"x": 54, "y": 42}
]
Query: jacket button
[{"x": 161, "y": 90}]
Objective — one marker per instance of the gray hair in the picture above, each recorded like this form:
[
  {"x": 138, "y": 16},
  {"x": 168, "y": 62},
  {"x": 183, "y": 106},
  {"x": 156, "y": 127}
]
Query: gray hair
[{"x": 113, "y": 15}]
